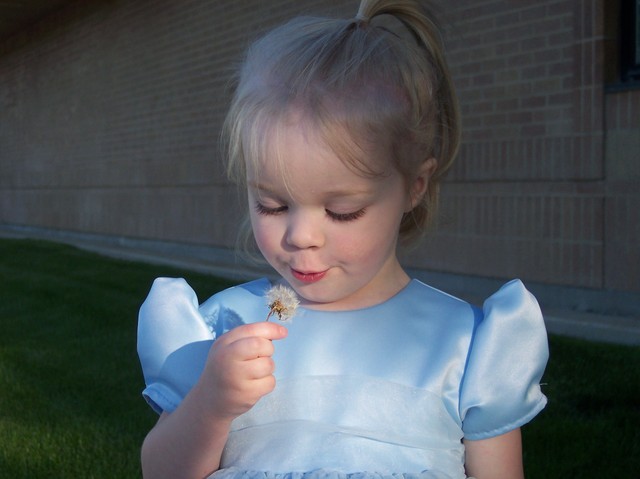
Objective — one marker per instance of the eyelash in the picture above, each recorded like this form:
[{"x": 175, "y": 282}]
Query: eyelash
[
  {"x": 345, "y": 217},
  {"x": 340, "y": 217},
  {"x": 263, "y": 210}
]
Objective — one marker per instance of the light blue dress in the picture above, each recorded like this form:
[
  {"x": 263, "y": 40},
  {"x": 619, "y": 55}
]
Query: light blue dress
[{"x": 385, "y": 391}]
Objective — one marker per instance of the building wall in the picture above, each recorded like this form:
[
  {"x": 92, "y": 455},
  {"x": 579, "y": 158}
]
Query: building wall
[
  {"x": 622, "y": 194},
  {"x": 526, "y": 196},
  {"x": 111, "y": 112}
]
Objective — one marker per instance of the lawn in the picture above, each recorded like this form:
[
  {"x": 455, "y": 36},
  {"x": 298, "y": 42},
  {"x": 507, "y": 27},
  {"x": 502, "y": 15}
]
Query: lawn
[{"x": 70, "y": 382}]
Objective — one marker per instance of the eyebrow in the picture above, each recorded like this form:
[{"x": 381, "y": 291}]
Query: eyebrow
[
  {"x": 259, "y": 186},
  {"x": 339, "y": 193}
]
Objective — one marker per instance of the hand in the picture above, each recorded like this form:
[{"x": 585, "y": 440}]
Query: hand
[{"x": 239, "y": 368}]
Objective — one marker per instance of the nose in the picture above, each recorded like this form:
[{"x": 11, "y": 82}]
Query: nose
[{"x": 304, "y": 230}]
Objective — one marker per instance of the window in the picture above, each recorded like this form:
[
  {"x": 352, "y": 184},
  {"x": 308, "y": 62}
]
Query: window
[{"x": 630, "y": 40}]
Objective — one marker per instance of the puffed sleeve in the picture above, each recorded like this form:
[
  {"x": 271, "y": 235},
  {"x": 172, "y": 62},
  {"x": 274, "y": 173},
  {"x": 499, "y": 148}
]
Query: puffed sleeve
[
  {"x": 509, "y": 351},
  {"x": 173, "y": 342}
]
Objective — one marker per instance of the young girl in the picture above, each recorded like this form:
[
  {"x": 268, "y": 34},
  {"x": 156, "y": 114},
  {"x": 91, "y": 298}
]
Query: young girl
[{"x": 341, "y": 131}]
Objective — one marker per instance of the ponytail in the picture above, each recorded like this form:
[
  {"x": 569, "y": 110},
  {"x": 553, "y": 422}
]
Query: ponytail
[{"x": 421, "y": 24}]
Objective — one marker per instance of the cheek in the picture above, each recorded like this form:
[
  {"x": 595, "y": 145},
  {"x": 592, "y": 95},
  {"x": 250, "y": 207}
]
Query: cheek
[
  {"x": 369, "y": 242},
  {"x": 266, "y": 234}
]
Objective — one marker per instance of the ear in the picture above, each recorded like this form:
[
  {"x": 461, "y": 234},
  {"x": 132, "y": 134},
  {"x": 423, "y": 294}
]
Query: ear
[{"x": 420, "y": 184}]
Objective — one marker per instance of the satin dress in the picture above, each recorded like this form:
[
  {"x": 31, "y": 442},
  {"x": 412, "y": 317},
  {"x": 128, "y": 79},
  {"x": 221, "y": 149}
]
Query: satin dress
[{"x": 386, "y": 391}]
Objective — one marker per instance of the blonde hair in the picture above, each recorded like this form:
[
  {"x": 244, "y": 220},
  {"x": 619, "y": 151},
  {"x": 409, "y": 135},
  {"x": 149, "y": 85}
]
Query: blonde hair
[{"x": 388, "y": 86}]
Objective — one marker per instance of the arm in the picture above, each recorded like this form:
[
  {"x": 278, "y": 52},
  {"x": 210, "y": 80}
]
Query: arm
[
  {"x": 498, "y": 457},
  {"x": 239, "y": 371}
]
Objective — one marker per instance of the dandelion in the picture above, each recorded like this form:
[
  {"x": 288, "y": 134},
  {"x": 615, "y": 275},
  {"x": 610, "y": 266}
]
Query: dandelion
[{"x": 282, "y": 301}]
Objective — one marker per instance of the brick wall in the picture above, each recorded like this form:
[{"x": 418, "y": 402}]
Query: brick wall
[
  {"x": 111, "y": 113},
  {"x": 526, "y": 197},
  {"x": 111, "y": 117},
  {"x": 622, "y": 195}
]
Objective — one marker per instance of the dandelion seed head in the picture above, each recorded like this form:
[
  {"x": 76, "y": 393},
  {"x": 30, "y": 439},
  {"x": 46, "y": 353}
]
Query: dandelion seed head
[{"x": 282, "y": 301}]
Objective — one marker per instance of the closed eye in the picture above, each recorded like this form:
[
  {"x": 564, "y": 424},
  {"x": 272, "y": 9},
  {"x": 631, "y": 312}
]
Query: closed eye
[
  {"x": 346, "y": 216},
  {"x": 340, "y": 217},
  {"x": 264, "y": 210}
]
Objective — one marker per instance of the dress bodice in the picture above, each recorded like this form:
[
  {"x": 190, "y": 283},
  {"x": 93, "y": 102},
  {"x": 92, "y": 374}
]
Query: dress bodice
[{"x": 388, "y": 389}]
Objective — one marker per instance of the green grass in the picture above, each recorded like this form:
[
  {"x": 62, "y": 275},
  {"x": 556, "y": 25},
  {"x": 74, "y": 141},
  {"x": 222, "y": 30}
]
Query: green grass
[
  {"x": 591, "y": 426},
  {"x": 70, "y": 381}
]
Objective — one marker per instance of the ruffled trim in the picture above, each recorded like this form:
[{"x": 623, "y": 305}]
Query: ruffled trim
[{"x": 235, "y": 473}]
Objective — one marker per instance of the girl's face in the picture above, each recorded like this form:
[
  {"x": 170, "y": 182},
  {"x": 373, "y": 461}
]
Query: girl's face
[{"x": 330, "y": 232}]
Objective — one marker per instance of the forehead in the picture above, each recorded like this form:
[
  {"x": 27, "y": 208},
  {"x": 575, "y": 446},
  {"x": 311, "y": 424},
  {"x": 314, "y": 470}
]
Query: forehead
[
  {"x": 294, "y": 151},
  {"x": 300, "y": 165},
  {"x": 298, "y": 141}
]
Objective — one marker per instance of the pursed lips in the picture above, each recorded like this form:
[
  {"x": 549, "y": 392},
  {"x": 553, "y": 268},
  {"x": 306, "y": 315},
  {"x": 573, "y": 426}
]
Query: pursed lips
[{"x": 308, "y": 277}]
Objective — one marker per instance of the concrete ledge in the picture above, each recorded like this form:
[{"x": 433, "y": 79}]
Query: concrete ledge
[
  {"x": 594, "y": 327},
  {"x": 560, "y": 319}
]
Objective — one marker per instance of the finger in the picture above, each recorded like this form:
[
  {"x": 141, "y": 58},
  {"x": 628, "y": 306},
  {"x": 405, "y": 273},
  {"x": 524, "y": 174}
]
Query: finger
[
  {"x": 262, "y": 329},
  {"x": 251, "y": 348},
  {"x": 265, "y": 385},
  {"x": 259, "y": 368}
]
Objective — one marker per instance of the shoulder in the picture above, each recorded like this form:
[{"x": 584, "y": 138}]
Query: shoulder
[
  {"x": 432, "y": 302},
  {"x": 251, "y": 292},
  {"x": 176, "y": 293},
  {"x": 449, "y": 319}
]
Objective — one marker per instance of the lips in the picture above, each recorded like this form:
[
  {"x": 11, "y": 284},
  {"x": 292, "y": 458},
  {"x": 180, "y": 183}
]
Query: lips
[{"x": 308, "y": 277}]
